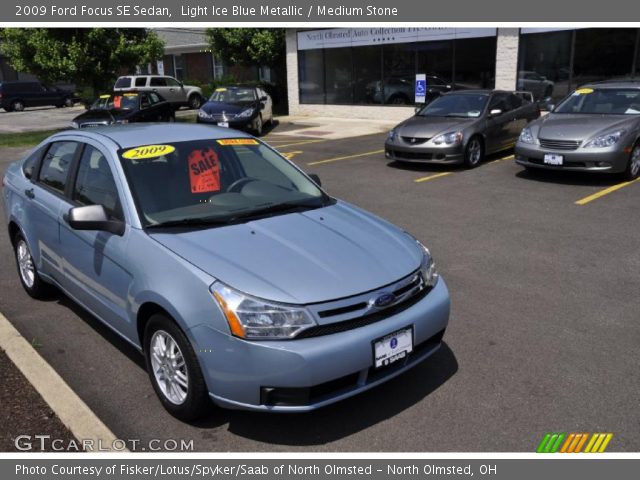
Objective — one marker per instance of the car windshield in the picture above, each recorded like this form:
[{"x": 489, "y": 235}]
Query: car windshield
[
  {"x": 615, "y": 101},
  {"x": 452, "y": 105},
  {"x": 215, "y": 182},
  {"x": 127, "y": 101},
  {"x": 233, "y": 95}
]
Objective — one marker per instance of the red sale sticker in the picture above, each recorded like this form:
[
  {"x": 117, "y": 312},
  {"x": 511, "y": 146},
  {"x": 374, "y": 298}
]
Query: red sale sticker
[{"x": 204, "y": 171}]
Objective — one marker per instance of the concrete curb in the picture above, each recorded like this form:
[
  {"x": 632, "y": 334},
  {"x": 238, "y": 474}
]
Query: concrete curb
[{"x": 72, "y": 411}]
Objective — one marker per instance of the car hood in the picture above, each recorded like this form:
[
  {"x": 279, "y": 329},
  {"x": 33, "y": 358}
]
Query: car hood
[
  {"x": 566, "y": 126},
  {"x": 219, "y": 107},
  {"x": 102, "y": 115},
  {"x": 429, "y": 127},
  {"x": 301, "y": 258}
]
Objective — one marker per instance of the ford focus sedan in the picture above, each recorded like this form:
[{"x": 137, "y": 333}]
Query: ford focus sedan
[
  {"x": 595, "y": 129},
  {"x": 236, "y": 275},
  {"x": 461, "y": 128}
]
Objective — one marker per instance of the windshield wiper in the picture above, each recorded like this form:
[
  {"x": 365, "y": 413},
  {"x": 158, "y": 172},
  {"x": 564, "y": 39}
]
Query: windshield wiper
[
  {"x": 273, "y": 208},
  {"x": 190, "y": 222}
]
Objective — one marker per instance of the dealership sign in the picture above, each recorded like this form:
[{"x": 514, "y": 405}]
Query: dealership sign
[{"x": 357, "y": 37}]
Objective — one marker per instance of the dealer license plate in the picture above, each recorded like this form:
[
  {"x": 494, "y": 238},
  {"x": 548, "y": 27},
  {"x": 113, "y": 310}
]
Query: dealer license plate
[
  {"x": 553, "y": 159},
  {"x": 392, "y": 347},
  {"x": 223, "y": 124}
]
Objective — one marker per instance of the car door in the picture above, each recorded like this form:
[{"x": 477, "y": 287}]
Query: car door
[
  {"x": 175, "y": 91},
  {"x": 520, "y": 113},
  {"x": 45, "y": 198},
  {"x": 267, "y": 111},
  {"x": 159, "y": 85},
  {"x": 95, "y": 262},
  {"x": 498, "y": 124}
]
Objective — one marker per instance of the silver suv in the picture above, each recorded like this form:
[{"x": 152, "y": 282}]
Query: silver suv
[{"x": 174, "y": 91}]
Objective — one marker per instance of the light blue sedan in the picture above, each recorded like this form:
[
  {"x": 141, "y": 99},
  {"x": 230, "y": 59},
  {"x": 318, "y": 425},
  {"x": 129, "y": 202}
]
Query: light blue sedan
[{"x": 235, "y": 274}]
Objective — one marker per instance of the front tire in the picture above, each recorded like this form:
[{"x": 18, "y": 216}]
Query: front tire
[
  {"x": 174, "y": 370},
  {"x": 68, "y": 102},
  {"x": 257, "y": 127},
  {"x": 633, "y": 167},
  {"x": 473, "y": 152},
  {"x": 27, "y": 271},
  {"x": 195, "y": 101}
]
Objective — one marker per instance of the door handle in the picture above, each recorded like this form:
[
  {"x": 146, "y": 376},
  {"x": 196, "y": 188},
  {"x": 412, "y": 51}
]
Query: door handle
[{"x": 29, "y": 193}]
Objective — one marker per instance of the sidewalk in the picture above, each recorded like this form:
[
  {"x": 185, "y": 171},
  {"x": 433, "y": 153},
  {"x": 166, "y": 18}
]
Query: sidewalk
[{"x": 333, "y": 128}]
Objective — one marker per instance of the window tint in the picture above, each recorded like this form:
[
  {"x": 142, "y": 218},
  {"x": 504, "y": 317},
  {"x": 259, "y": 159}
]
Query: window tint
[
  {"x": 56, "y": 164},
  {"x": 514, "y": 101},
  {"x": 158, "y": 82},
  {"x": 29, "y": 165},
  {"x": 141, "y": 81},
  {"x": 95, "y": 184},
  {"x": 123, "y": 82},
  {"x": 499, "y": 101},
  {"x": 144, "y": 101},
  {"x": 154, "y": 97},
  {"x": 172, "y": 82}
]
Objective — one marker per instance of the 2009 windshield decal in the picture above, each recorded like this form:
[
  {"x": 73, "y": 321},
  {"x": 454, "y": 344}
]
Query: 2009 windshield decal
[{"x": 148, "y": 151}]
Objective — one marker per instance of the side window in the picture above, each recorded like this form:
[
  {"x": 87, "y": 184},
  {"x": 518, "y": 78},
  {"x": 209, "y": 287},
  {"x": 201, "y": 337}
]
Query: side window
[
  {"x": 123, "y": 82},
  {"x": 158, "y": 82},
  {"x": 499, "y": 101},
  {"x": 144, "y": 101},
  {"x": 514, "y": 101},
  {"x": 56, "y": 164},
  {"x": 95, "y": 184},
  {"x": 141, "y": 81},
  {"x": 154, "y": 97},
  {"x": 29, "y": 165},
  {"x": 172, "y": 82}
]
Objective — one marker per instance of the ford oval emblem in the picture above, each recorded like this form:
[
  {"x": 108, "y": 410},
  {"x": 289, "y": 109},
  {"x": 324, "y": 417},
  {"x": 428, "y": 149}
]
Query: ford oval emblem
[{"x": 384, "y": 300}]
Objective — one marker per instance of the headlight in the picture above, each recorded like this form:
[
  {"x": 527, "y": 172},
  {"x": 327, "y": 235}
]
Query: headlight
[
  {"x": 203, "y": 114},
  {"x": 392, "y": 135},
  {"x": 246, "y": 113},
  {"x": 526, "y": 136},
  {"x": 75, "y": 125},
  {"x": 428, "y": 267},
  {"x": 448, "y": 138},
  {"x": 121, "y": 122},
  {"x": 255, "y": 319},
  {"x": 603, "y": 141}
]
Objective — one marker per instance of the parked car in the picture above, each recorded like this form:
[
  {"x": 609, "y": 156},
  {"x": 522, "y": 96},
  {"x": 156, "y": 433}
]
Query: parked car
[
  {"x": 401, "y": 90},
  {"x": 15, "y": 96},
  {"x": 595, "y": 129},
  {"x": 125, "y": 108},
  {"x": 461, "y": 128},
  {"x": 243, "y": 107},
  {"x": 174, "y": 91},
  {"x": 540, "y": 87},
  {"x": 235, "y": 274}
]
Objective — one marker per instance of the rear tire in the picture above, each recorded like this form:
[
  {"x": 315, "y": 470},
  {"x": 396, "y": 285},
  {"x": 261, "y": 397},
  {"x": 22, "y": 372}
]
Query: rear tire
[
  {"x": 17, "y": 106},
  {"x": 633, "y": 166},
  {"x": 473, "y": 152},
  {"x": 68, "y": 102},
  {"x": 195, "y": 101},
  {"x": 174, "y": 369},
  {"x": 27, "y": 271}
]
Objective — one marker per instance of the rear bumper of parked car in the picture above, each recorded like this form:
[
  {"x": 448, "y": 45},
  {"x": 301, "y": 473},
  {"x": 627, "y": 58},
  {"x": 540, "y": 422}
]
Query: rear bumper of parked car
[
  {"x": 611, "y": 160},
  {"x": 423, "y": 154},
  {"x": 309, "y": 373}
]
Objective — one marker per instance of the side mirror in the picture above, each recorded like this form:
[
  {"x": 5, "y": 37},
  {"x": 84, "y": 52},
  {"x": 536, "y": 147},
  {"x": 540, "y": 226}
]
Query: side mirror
[
  {"x": 263, "y": 99},
  {"x": 93, "y": 217},
  {"x": 551, "y": 107},
  {"x": 315, "y": 178},
  {"x": 495, "y": 112}
]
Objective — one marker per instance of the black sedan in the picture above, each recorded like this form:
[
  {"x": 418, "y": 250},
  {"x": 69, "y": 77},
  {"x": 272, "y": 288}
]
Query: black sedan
[
  {"x": 127, "y": 107},
  {"x": 240, "y": 107},
  {"x": 461, "y": 128}
]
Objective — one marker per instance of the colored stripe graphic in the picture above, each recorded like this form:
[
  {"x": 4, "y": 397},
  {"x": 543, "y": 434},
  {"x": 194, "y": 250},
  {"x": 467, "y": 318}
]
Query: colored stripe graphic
[{"x": 554, "y": 442}]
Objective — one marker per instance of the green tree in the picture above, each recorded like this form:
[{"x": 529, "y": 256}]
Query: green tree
[
  {"x": 248, "y": 46},
  {"x": 87, "y": 56}
]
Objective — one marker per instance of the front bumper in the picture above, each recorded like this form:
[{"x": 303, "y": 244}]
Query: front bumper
[
  {"x": 611, "y": 160},
  {"x": 319, "y": 370},
  {"x": 402, "y": 152},
  {"x": 244, "y": 124}
]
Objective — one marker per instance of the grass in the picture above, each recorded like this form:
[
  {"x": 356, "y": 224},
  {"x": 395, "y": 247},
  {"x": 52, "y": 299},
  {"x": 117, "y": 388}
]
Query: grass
[{"x": 25, "y": 139}]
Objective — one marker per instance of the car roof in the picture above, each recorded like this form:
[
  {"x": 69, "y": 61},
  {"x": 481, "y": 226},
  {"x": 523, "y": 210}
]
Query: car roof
[
  {"x": 136, "y": 134},
  {"x": 612, "y": 84}
]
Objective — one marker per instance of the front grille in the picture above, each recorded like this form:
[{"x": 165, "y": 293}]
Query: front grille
[
  {"x": 364, "y": 320},
  {"x": 90, "y": 125},
  {"x": 415, "y": 140},
  {"x": 222, "y": 118},
  {"x": 411, "y": 155},
  {"x": 559, "y": 144}
]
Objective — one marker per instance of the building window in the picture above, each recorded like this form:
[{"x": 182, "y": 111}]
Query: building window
[
  {"x": 338, "y": 76},
  {"x": 398, "y": 74},
  {"x": 367, "y": 75},
  {"x": 435, "y": 59},
  {"x": 603, "y": 53},
  {"x": 178, "y": 67},
  {"x": 311, "y": 76},
  {"x": 475, "y": 62}
]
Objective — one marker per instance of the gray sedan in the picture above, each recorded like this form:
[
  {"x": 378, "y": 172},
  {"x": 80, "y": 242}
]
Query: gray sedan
[
  {"x": 595, "y": 129},
  {"x": 461, "y": 128}
]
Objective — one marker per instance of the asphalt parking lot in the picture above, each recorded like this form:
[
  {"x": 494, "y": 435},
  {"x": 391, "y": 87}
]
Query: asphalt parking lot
[{"x": 544, "y": 275}]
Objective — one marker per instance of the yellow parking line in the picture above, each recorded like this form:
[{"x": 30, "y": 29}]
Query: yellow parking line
[
  {"x": 431, "y": 177},
  {"x": 606, "y": 191},
  {"x": 304, "y": 142},
  {"x": 290, "y": 155},
  {"x": 510, "y": 157},
  {"x": 336, "y": 159}
]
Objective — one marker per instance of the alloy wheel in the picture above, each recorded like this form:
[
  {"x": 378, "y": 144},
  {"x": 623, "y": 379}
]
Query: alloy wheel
[
  {"x": 634, "y": 168},
  {"x": 169, "y": 367},
  {"x": 25, "y": 264},
  {"x": 474, "y": 151}
]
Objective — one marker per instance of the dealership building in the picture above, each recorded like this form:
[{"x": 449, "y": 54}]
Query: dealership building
[{"x": 370, "y": 72}]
